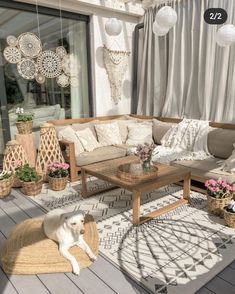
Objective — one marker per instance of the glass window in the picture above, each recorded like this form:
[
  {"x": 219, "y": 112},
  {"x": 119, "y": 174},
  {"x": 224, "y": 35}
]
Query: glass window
[{"x": 48, "y": 100}]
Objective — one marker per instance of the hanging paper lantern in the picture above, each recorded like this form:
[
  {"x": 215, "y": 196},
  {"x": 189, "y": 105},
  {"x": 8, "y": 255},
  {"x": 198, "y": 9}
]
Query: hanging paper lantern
[
  {"x": 225, "y": 35},
  {"x": 159, "y": 30},
  {"x": 166, "y": 17},
  {"x": 113, "y": 27}
]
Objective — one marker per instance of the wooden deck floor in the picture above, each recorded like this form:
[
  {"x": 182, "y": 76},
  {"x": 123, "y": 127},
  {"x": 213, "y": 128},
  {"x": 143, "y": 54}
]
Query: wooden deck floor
[{"x": 101, "y": 277}]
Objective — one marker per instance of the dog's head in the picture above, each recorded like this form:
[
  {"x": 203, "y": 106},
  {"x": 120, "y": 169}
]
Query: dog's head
[{"x": 74, "y": 221}]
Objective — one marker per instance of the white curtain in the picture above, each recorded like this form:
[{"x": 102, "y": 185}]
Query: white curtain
[{"x": 186, "y": 74}]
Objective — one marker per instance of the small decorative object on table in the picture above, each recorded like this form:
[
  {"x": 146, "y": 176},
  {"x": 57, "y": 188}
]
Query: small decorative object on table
[
  {"x": 31, "y": 180},
  {"x": 6, "y": 180},
  {"x": 24, "y": 122},
  {"x": 229, "y": 213},
  {"x": 219, "y": 194},
  {"x": 145, "y": 153},
  {"x": 58, "y": 175}
]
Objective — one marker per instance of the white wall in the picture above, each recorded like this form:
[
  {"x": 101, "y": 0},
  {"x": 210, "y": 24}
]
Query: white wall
[{"x": 100, "y": 11}]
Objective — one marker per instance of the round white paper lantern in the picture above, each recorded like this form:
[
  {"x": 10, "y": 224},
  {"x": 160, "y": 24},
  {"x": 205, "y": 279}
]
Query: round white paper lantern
[
  {"x": 225, "y": 35},
  {"x": 113, "y": 27},
  {"x": 159, "y": 30},
  {"x": 166, "y": 17}
]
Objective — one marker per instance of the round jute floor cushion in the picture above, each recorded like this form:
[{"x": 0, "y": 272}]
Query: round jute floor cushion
[{"x": 28, "y": 251}]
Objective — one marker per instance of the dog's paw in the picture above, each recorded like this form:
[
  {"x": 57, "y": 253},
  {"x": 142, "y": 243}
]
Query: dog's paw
[
  {"x": 93, "y": 258},
  {"x": 76, "y": 271}
]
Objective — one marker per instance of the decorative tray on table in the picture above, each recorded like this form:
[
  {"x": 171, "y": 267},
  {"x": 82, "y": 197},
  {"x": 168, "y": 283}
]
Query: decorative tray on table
[{"x": 133, "y": 172}]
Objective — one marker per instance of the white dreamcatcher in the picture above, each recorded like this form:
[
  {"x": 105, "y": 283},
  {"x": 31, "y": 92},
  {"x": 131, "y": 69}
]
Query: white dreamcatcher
[{"x": 34, "y": 63}]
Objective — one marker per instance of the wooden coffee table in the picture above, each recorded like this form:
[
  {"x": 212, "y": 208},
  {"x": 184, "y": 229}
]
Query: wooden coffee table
[{"x": 107, "y": 171}]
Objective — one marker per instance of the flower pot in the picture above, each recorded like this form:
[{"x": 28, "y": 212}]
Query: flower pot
[
  {"x": 57, "y": 184},
  {"x": 216, "y": 205},
  {"x": 17, "y": 183},
  {"x": 147, "y": 165},
  {"x": 5, "y": 186},
  {"x": 229, "y": 218},
  {"x": 24, "y": 127},
  {"x": 32, "y": 188}
]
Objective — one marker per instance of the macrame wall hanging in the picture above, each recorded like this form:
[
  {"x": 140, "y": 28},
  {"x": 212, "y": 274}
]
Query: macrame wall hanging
[
  {"x": 116, "y": 63},
  {"x": 33, "y": 63}
]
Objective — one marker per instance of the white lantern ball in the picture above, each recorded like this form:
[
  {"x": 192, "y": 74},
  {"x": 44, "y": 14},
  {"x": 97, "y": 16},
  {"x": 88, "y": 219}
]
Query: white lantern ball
[
  {"x": 113, "y": 27},
  {"x": 166, "y": 17},
  {"x": 159, "y": 30},
  {"x": 225, "y": 35}
]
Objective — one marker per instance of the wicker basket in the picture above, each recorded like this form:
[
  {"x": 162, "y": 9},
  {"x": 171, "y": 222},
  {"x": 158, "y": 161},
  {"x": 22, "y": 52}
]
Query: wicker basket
[
  {"x": 32, "y": 188},
  {"x": 17, "y": 183},
  {"x": 229, "y": 218},
  {"x": 24, "y": 127},
  {"x": 57, "y": 184},
  {"x": 5, "y": 186},
  {"x": 216, "y": 205}
]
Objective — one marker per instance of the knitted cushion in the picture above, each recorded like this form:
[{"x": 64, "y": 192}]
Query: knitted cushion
[{"x": 28, "y": 251}]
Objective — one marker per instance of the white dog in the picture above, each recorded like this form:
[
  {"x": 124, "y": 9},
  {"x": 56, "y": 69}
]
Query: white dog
[{"x": 67, "y": 228}]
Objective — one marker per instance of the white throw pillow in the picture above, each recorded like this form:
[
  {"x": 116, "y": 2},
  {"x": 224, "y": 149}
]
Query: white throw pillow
[
  {"x": 108, "y": 134},
  {"x": 69, "y": 134},
  {"x": 123, "y": 128},
  {"x": 229, "y": 163},
  {"x": 87, "y": 139},
  {"x": 140, "y": 134}
]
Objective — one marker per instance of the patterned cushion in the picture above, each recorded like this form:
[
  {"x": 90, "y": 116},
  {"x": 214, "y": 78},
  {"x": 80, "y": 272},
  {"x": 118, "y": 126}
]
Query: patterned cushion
[
  {"x": 108, "y": 134},
  {"x": 69, "y": 134},
  {"x": 139, "y": 134},
  {"x": 87, "y": 139},
  {"x": 123, "y": 128},
  {"x": 159, "y": 129}
]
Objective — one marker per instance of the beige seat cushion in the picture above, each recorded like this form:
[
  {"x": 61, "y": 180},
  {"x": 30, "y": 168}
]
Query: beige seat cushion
[
  {"x": 220, "y": 142},
  {"x": 100, "y": 154},
  {"x": 207, "y": 168},
  {"x": 159, "y": 129}
]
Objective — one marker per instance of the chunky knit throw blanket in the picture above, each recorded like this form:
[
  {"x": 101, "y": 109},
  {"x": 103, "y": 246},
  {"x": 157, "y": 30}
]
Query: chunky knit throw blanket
[{"x": 186, "y": 141}]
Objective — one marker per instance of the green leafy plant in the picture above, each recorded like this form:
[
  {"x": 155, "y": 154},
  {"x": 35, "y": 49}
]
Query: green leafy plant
[
  {"x": 22, "y": 116},
  {"x": 27, "y": 173},
  {"x": 4, "y": 175},
  {"x": 58, "y": 170}
]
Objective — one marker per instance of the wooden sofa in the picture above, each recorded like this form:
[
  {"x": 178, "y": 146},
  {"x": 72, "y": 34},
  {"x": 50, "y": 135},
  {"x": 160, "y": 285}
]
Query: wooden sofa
[{"x": 222, "y": 134}]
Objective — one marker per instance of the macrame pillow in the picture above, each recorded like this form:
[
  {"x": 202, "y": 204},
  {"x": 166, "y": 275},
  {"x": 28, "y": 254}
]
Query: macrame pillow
[
  {"x": 87, "y": 139},
  {"x": 108, "y": 134},
  {"x": 139, "y": 134},
  {"x": 70, "y": 135}
]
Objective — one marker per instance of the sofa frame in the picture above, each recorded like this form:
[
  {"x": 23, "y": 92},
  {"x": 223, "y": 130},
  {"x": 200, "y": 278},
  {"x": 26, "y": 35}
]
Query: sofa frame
[{"x": 70, "y": 157}]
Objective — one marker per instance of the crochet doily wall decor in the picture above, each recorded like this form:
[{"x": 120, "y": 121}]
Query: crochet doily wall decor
[
  {"x": 33, "y": 63},
  {"x": 116, "y": 63}
]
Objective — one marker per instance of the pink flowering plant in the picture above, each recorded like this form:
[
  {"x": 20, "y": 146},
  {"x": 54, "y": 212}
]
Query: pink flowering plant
[
  {"x": 219, "y": 188},
  {"x": 145, "y": 151},
  {"x": 58, "y": 170}
]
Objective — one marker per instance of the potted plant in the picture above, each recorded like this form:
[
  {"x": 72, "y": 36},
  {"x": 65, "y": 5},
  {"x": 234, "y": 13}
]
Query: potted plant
[
  {"x": 31, "y": 180},
  {"x": 219, "y": 194},
  {"x": 229, "y": 213},
  {"x": 24, "y": 121},
  {"x": 17, "y": 182},
  {"x": 6, "y": 180},
  {"x": 58, "y": 175},
  {"x": 145, "y": 153}
]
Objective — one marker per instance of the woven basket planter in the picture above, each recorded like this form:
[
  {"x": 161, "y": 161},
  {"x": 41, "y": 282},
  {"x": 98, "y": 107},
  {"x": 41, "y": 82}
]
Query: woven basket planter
[
  {"x": 32, "y": 188},
  {"x": 229, "y": 218},
  {"x": 17, "y": 183},
  {"x": 5, "y": 186},
  {"x": 216, "y": 205},
  {"x": 57, "y": 184},
  {"x": 24, "y": 127}
]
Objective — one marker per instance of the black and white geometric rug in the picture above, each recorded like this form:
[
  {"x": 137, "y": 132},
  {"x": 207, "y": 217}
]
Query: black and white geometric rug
[{"x": 175, "y": 253}]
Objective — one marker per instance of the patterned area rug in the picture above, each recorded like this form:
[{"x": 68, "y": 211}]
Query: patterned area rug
[{"x": 175, "y": 253}]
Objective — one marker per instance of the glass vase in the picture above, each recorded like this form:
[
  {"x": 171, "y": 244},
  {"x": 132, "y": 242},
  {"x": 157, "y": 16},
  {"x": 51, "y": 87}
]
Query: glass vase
[{"x": 146, "y": 165}]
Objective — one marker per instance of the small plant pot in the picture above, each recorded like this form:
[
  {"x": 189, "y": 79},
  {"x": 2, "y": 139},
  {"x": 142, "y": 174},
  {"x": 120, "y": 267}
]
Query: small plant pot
[
  {"x": 229, "y": 218},
  {"x": 5, "y": 186},
  {"x": 32, "y": 188},
  {"x": 17, "y": 183},
  {"x": 216, "y": 205},
  {"x": 24, "y": 127},
  {"x": 57, "y": 184}
]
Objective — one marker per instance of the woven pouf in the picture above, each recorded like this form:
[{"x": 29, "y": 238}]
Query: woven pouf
[{"x": 28, "y": 251}]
